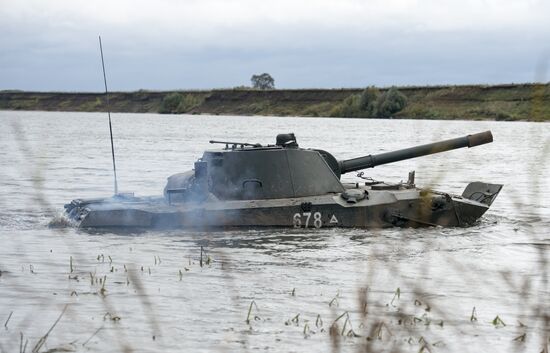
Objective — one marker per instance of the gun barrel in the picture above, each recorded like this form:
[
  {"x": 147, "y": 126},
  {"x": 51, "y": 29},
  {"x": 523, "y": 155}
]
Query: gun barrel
[{"x": 371, "y": 161}]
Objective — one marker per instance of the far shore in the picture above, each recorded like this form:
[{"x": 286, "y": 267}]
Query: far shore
[{"x": 509, "y": 102}]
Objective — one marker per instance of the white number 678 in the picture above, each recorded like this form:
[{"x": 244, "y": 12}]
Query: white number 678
[{"x": 297, "y": 220}]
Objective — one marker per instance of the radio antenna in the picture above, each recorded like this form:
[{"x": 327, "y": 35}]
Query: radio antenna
[{"x": 109, "y": 114}]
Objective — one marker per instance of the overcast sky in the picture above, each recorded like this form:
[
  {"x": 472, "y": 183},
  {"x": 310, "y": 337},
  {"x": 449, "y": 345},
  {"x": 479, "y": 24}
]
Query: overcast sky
[{"x": 184, "y": 44}]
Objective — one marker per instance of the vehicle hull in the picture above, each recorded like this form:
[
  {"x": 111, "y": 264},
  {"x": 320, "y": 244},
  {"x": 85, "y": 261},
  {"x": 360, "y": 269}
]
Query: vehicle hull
[{"x": 361, "y": 206}]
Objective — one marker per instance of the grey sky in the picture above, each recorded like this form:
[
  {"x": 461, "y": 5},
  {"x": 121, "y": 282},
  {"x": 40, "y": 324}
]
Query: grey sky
[{"x": 169, "y": 44}]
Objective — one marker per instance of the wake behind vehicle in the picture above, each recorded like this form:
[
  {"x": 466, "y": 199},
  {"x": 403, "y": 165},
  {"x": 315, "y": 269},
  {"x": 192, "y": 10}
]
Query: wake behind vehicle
[{"x": 283, "y": 185}]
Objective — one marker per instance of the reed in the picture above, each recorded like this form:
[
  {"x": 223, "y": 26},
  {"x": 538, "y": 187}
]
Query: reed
[
  {"x": 249, "y": 314},
  {"x": 8, "y": 320},
  {"x": 43, "y": 339}
]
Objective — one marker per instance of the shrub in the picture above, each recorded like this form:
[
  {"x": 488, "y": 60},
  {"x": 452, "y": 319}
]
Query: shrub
[
  {"x": 390, "y": 103},
  {"x": 170, "y": 103},
  {"x": 350, "y": 108},
  {"x": 371, "y": 104},
  {"x": 188, "y": 103},
  {"x": 176, "y": 103},
  {"x": 367, "y": 102}
]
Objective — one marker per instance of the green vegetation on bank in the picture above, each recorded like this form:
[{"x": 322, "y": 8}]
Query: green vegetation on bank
[
  {"x": 371, "y": 103},
  {"x": 177, "y": 103},
  {"x": 468, "y": 102}
]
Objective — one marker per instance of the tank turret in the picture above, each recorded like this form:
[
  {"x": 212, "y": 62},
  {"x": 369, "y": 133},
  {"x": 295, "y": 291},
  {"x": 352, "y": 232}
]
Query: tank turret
[{"x": 250, "y": 171}]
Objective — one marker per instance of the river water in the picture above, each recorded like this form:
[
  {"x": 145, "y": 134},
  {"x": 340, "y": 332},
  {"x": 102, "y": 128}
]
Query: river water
[{"x": 483, "y": 288}]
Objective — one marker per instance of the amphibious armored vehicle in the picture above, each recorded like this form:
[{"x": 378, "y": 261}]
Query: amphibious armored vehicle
[{"x": 284, "y": 185}]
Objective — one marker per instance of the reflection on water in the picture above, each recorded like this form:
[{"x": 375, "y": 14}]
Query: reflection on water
[{"x": 268, "y": 289}]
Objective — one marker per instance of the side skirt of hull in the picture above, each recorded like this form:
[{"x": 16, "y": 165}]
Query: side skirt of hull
[{"x": 405, "y": 213}]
